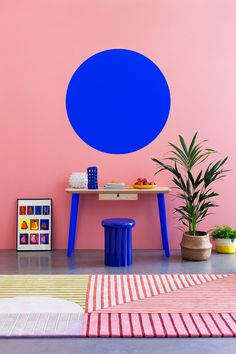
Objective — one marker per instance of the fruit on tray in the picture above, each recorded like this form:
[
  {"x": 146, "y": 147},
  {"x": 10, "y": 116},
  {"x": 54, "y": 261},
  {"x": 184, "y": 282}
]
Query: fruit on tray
[{"x": 144, "y": 182}]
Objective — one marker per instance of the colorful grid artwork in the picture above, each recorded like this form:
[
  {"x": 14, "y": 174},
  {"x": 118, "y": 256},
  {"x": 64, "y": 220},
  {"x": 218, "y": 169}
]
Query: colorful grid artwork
[{"x": 34, "y": 225}]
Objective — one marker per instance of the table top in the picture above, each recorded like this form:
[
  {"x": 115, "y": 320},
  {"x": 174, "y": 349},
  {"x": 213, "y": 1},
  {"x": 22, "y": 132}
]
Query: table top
[{"x": 120, "y": 191}]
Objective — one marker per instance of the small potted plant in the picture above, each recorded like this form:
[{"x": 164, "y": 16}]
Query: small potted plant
[
  {"x": 194, "y": 190},
  {"x": 225, "y": 239}
]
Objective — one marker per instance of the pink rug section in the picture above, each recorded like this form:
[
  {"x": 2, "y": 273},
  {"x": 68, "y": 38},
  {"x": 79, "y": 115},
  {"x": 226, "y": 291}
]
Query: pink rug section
[
  {"x": 159, "y": 325},
  {"x": 210, "y": 297},
  {"x": 106, "y": 291},
  {"x": 119, "y": 325}
]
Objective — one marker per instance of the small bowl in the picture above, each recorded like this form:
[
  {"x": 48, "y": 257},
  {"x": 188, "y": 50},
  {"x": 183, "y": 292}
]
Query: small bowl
[{"x": 147, "y": 186}]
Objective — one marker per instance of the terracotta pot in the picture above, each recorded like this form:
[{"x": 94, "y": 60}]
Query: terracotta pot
[
  {"x": 225, "y": 245},
  {"x": 196, "y": 248}
]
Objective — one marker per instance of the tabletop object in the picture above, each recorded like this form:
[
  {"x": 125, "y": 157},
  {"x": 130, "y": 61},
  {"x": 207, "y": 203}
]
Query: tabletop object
[{"x": 92, "y": 177}]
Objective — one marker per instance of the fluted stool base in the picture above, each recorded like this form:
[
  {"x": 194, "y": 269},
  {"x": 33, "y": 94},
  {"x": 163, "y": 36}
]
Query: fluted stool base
[{"x": 118, "y": 242}]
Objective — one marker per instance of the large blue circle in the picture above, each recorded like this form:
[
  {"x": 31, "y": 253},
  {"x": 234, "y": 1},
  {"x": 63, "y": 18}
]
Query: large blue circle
[{"x": 118, "y": 101}]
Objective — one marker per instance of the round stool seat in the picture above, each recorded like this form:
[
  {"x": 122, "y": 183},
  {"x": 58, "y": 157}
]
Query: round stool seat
[{"x": 118, "y": 223}]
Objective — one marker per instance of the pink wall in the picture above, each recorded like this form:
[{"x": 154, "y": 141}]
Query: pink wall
[{"x": 44, "y": 41}]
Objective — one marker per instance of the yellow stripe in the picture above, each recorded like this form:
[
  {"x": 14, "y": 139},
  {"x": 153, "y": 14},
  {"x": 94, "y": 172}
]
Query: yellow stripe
[
  {"x": 69, "y": 287},
  {"x": 225, "y": 249}
]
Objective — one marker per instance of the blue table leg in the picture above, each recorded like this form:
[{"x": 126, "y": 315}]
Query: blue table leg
[
  {"x": 164, "y": 231},
  {"x": 73, "y": 223}
]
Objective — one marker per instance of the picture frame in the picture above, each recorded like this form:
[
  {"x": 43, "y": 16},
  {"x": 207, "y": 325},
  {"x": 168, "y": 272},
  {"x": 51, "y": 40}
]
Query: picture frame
[{"x": 34, "y": 224}]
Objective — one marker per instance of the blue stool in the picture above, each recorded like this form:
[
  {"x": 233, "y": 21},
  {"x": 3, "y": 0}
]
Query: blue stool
[{"x": 118, "y": 241}]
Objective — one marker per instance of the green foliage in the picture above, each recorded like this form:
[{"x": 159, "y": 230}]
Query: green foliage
[
  {"x": 193, "y": 188},
  {"x": 224, "y": 231}
]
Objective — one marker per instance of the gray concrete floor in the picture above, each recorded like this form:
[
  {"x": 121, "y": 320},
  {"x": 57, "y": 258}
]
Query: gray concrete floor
[{"x": 88, "y": 262}]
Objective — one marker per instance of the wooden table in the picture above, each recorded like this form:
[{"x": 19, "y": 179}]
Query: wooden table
[{"x": 117, "y": 194}]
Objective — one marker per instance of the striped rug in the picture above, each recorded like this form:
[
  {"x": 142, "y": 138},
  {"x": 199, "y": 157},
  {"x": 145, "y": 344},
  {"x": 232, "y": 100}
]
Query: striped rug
[
  {"x": 133, "y": 305},
  {"x": 68, "y": 287},
  {"x": 109, "y": 291}
]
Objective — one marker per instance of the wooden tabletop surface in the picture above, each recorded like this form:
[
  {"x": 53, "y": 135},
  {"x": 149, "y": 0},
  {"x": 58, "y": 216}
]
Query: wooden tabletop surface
[{"x": 120, "y": 191}]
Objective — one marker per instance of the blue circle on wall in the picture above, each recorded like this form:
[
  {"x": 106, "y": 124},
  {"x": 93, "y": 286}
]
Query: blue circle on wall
[{"x": 118, "y": 101}]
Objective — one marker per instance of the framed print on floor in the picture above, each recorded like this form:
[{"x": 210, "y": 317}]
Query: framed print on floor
[{"x": 34, "y": 225}]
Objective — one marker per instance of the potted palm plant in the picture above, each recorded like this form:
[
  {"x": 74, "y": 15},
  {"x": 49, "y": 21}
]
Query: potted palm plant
[
  {"x": 194, "y": 189},
  {"x": 225, "y": 239}
]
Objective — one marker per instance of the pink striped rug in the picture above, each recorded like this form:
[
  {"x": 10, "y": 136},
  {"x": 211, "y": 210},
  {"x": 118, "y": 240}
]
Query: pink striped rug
[{"x": 164, "y": 305}]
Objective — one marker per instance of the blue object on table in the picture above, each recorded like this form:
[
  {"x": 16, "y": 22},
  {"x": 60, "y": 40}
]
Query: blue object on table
[
  {"x": 118, "y": 241},
  {"x": 92, "y": 177}
]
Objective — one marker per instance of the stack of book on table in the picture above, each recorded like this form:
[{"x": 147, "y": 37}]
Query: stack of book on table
[{"x": 114, "y": 185}]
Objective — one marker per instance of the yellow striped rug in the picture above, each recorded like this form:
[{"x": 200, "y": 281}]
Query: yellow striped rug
[{"x": 68, "y": 287}]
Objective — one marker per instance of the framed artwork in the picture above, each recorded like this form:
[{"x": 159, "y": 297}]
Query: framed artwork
[{"x": 34, "y": 225}]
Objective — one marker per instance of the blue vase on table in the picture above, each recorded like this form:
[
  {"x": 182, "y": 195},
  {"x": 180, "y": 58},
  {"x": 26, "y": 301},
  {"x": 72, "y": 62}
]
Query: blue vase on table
[{"x": 92, "y": 177}]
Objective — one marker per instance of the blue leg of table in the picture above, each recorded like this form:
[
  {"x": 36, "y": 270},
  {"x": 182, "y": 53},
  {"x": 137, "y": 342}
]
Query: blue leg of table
[
  {"x": 73, "y": 222},
  {"x": 164, "y": 231}
]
